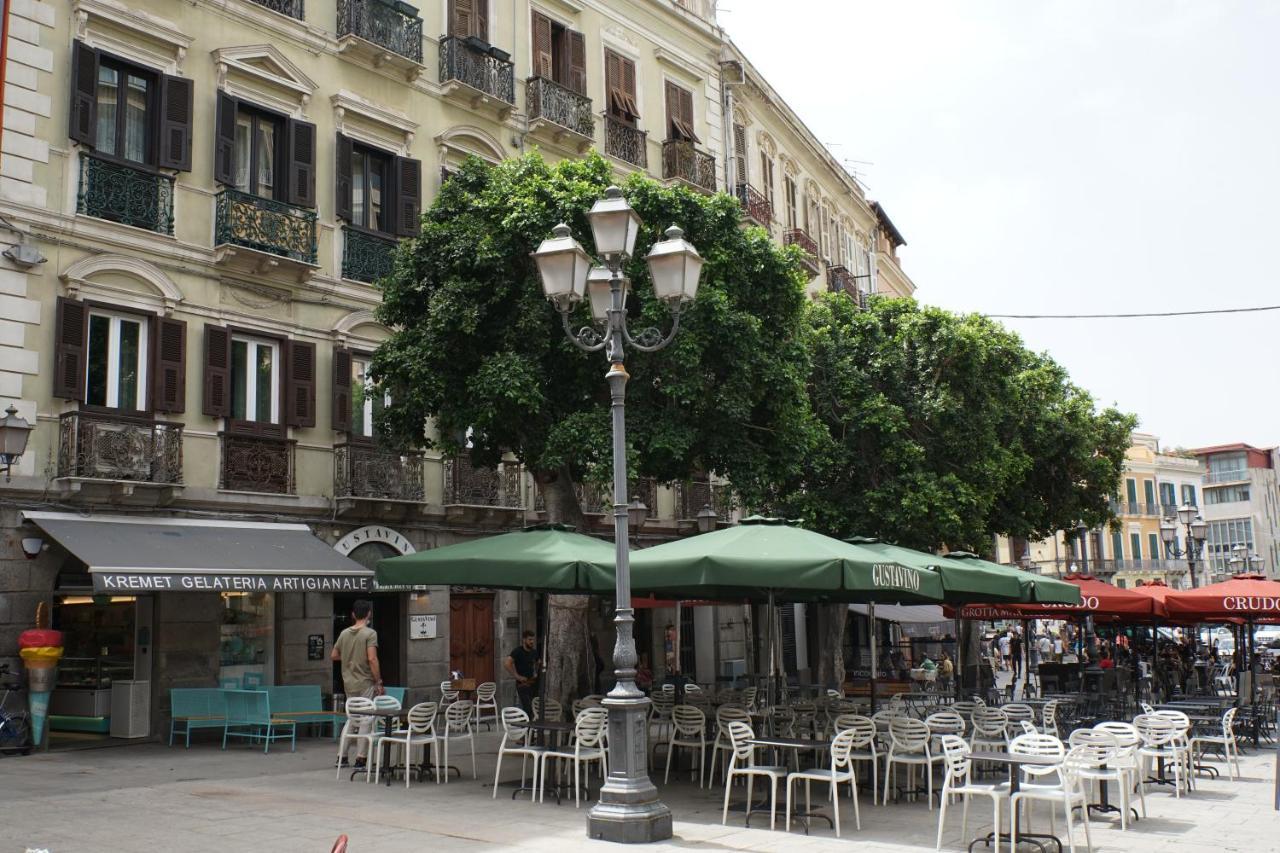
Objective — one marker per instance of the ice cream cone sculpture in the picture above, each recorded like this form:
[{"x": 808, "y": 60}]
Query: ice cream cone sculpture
[{"x": 40, "y": 649}]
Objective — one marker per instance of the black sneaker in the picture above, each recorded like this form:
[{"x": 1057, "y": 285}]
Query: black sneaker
[
  {"x": 359, "y": 765},
  {"x": 341, "y": 762}
]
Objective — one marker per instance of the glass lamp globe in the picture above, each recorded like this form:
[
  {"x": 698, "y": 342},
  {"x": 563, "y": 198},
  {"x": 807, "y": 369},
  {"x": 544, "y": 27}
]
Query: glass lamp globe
[
  {"x": 1199, "y": 528},
  {"x": 599, "y": 284},
  {"x": 1186, "y": 512},
  {"x": 563, "y": 266},
  {"x": 674, "y": 266},
  {"x": 614, "y": 224}
]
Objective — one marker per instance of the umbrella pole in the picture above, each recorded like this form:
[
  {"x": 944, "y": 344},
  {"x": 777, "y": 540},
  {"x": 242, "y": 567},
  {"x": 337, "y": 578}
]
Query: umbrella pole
[
  {"x": 773, "y": 677},
  {"x": 957, "y": 671},
  {"x": 1026, "y": 672},
  {"x": 871, "y": 626},
  {"x": 679, "y": 685}
]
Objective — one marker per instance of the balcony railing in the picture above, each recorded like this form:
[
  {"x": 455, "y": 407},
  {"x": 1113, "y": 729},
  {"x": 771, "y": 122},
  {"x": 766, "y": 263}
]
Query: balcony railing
[
  {"x": 840, "y": 279},
  {"x": 552, "y": 102},
  {"x": 116, "y": 447},
  {"x": 598, "y": 500},
  {"x": 755, "y": 204},
  {"x": 1233, "y": 475},
  {"x": 800, "y": 237},
  {"x": 693, "y": 495},
  {"x": 386, "y": 23},
  {"x": 366, "y": 257},
  {"x": 465, "y": 484},
  {"x": 681, "y": 161},
  {"x": 365, "y": 471},
  {"x": 125, "y": 194},
  {"x": 292, "y": 8},
  {"x": 625, "y": 142},
  {"x": 1153, "y": 510},
  {"x": 256, "y": 464},
  {"x": 466, "y": 61},
  {"x": 266, "y": 225}
]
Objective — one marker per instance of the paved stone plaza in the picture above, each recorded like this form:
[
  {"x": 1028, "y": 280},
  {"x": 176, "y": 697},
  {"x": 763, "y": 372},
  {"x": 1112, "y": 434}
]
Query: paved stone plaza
[{"x": 150, "y": 797}]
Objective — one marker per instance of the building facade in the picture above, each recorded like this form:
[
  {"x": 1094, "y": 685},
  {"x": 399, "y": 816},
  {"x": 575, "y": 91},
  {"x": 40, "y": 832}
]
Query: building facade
[
  {"x": 1241, "y": 503},
  {"x": 212, "y": 189}
]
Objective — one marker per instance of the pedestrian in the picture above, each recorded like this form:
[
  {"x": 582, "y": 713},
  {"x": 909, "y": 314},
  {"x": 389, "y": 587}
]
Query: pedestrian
[
  {"x": 356, "y": 649},
  {"x": 522, "y": 665},
  {"x": 1015, "y": 653},
  {"x": 1003, "y": 643},
  {"x": 1046, "y": 647}
]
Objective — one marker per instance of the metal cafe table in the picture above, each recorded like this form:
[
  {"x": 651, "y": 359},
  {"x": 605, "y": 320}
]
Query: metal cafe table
[
  {"x": 556, "y": 728},
  {"x": 798, "y": 745},
  {"x": 389, "y": 718},
  {"x": 1014, "y": 761}
]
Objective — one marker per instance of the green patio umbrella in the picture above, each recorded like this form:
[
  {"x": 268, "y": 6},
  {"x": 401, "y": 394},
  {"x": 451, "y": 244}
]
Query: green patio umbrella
[
  {"x": 540, "y": 558},
  {"x": 963, "y": 582},
  {"x": 1035, "y": 588}
]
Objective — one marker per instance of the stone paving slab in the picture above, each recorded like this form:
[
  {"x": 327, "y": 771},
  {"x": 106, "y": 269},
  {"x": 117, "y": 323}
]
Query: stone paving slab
[{"x": 151, "y": 797}]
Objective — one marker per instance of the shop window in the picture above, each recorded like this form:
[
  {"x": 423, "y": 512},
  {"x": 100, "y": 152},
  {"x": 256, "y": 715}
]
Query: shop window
[
  {"x": 246, "y": 649},
  {"x": 116, "y": 361}
]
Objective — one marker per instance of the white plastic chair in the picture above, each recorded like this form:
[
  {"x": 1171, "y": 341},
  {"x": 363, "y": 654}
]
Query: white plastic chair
[
  {"x": 459, "y": 725},
  {"x": 1181, "y": 741},
  {"x": 725, "y": 714},
  {"x": 1017, "y": 712},
  {"x": 1159, "y": 743},
  {"x": 688, "y": 731},
  {"x": 1227, "y": 740},
  {"x": 959, "y": 782},
  {"x": 1102, "y": 750},
  {"x": 1049, "y": 718},
  {"x": 1043, "y": 746},
  {"x": 555, "y": 711},
  {"x": 587, "y": 747},
  {"x": 840, "y": 771},
  {"x": 909, "y": 745},
  {"x": 1126, "y": 759},
  {"x": 358, "y": 710},
  {"x": 487, "y": 700},
  {"x": 660, "y": 705},
  {"x": 419, "y": 731},
  {"x": 447, "y": 694},
  {"x": 516, "y": 741},
  {"x": 1069, "y": 793},
  {"x": 743, "y": 763}
]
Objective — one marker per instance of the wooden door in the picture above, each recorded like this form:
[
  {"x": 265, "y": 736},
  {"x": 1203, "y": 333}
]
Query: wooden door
[{"x": 471, "y": 649}]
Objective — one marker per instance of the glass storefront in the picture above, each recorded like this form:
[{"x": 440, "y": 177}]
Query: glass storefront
[{"x": 247, "y": 648}]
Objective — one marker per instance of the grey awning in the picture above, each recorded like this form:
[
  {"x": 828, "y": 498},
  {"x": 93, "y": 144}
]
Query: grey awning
[
  {"x": 192, "y": 555},
  {"x": 901, "y": 613}
]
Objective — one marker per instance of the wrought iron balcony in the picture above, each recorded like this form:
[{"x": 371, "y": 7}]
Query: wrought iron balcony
[
  {"x": 386, "y": 23},
  {"x": 292, "y": 8},
  {"x": 754, "y": 204},
  {"x": 693, "y": 495},
  {"x": 800, "y": 237},
  {"x": 549, "y": 101},
  {"x": 116, "y": 447},
  {"x": 266, "y": 225},
  {"x": 466, "y": 485},
  {"x": 256, "y": 464},
  {"x": 468, "y": 62},
  {"x": 682, "y": 162},
  {"x": 365, "y": 256},
  {"x": 839, "y": 279},
  {"x": 368, "y": 471},
  {"x": 598, "y": 500},
  {"x": 125, "y": 194},
  {"x": 625, "y": 142}
]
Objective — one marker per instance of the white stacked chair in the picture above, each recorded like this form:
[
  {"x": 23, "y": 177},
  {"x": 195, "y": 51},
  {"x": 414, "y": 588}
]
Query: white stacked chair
[
  {"x": 447, "y": 694},
  {"x": 358, "y": 710},
  {"x": 839, "y": 772},
  {"x": 1182, "y": 742},
  {"x": 863, "y": 747},
  {"x": 1067, "y": 792},
  {"x": 587, "y": 748},
  {"x": 725, "y": 714},
  {"x": 516, "y": 740},
  {"x": 487, "y": 700},
  {"x": 1159, "y": 737},
  {"x": 554, "y": 710},
  {"x": 1126, "y": 759},
  {"x": 742, "y": 763},
  {"x": 418, "y": 732},
  {"x": 1049, "y": 718},
  {"x": 910, "y": 746},
  {"x": 959, "y": 783},
  {"x": 459, "y": 725},
  {"x": 688, "y": 731},
  {"x": 1226, "y": 740}
]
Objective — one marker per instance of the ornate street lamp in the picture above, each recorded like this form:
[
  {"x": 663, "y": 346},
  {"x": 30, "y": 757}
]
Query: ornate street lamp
[
  {"x": 637, "y": 514},
  {"x": 14, "y": 432},
  {"x": 707, "y": 519},
  {"x": 1196, "y": 531},
  {"x": 628, "y": 809}
]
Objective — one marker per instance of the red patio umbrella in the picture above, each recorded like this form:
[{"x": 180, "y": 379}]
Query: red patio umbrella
[
  {"x": 1098, "y": 599},
  {"x": 1248, "y": 596}
]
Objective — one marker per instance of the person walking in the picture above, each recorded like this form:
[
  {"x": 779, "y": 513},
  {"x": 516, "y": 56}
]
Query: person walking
[
  {"x": 356, "y": 649},
  {"x": 1003, "y": 644},
  {"x": 1015, "y": 654},
  {"x": 522, "y": 665}
]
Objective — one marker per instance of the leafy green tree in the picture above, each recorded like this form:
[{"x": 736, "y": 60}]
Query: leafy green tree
[
  {"x": 943, "y": 429},
  {"x": 476, "y": 347}
]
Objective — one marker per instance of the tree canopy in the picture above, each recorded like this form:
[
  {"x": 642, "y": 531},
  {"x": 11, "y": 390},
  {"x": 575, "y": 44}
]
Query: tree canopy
[{"x": 942, "y": 429}]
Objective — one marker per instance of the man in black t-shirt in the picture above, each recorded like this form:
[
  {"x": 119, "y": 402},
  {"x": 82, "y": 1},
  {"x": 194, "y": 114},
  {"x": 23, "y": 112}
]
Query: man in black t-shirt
[{"x": 522, "y": 664}]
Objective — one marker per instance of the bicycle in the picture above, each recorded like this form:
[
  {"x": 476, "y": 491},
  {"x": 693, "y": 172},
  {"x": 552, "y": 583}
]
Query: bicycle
[{"x": 15, "y": 728}]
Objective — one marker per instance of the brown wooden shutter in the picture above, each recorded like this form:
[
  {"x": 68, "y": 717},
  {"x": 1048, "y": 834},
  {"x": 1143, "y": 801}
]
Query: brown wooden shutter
[
  {"x": 302, "y": 163},
  {"x": 686, "y": 113},
  {"x": 224, "y": 140},
  {"x": 674, "y": 130},
  {"x": 342, "y": 389},
  {"x": 83, "y": 122},
  {"x": 577, "y": 62},
  {"x": 543, "y": 65},
  {"x": 169, "y": 365},
  {"x": 72, "y": 328},
  {"x": 408, "y": 182},
  {"x": 300, "y": 397},
  {"x": 462, "y": 17},
  {"x": 217, "y": 371},
  {"x": 174, "y": 150},
  {"x": 480, "y": 27},
  {"x": 740, "y": 154},
  {"x": 342, "y": 198},
  {"x": 629, "y": 88},
  {"x": 614, "y": 100}
]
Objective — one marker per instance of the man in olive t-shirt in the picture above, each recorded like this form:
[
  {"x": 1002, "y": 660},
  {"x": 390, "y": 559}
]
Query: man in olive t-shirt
[{"x": 357, "y": 649}]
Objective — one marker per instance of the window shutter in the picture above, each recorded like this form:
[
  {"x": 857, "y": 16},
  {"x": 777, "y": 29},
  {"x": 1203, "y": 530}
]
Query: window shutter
[
  {"x": 175, "y": 123},
  {"x": 686, "y": 113},
  {"x": 578, "y": 63},
  {"x": 169, "y": 366},
  {"x": 302, "y": 163},
  {"x": 462, "y": 17},
  {"x": 342, "y": 389},
  {"x": 480, "y": 11},
  {"x": 342, "y": 202},
  {"x": 628, "y": 69},
  {"x": 542, "y": 59},
  {"x": 83, "y": 123},
  {"x": 300, "y": 399},
  {"x": 408, "y": 196},
  {"x": 217, "y": 371},
  {"x": 740, "y": 154},
  {"x": 72, "y": 326},
  {"x": 614, "y": 100},
  {"x": 224, "y": 140},
  {"x": 673, "y": 111}
]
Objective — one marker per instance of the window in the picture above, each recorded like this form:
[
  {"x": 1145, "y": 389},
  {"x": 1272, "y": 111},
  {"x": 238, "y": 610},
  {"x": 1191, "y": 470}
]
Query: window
[
  {"x": 1223, "y": 537},
  {"x": 366, "y": 406},
  {"x": 258, "y": 140},
  {"x": 117, "y": 361},
  {"x": 247, "y": 642},
  {"x": 1226, "y": 495},
  {"x": 789, "y": 190},
  {"x": 1131, "y": 490},
  {"x": 1135, "y": 546},
  {"x": 680, "y": 114},
  {"x": 1117, "y": 545},
  {"x": 1119, "y": 583},
  {"x": 369, "y": 174},
  {"x": 620, "y": 88},
  {"x": 740, "y": 174},
  {"x": 1225, "y": 467},
  {"x": 264, "y": 154},
  {"x": 1168, "y": 495},
  {"x": 124, "y": 99},
  {"x": 255, "y": 380},
  {"x": 1149, "y": 491},
  {"x": 559, "y": 54},
  {"x": 469, "y": 18},
  {"x": 766, "y": 179},
  {"x": 377, "y": 190},
  {"x": 1153, "y": 545},
  {"x": 1189, "y": 495}
]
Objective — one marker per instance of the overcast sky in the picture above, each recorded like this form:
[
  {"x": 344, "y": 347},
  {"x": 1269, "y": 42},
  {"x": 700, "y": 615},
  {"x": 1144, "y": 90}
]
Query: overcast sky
[{"x": 1068, "y": 156}]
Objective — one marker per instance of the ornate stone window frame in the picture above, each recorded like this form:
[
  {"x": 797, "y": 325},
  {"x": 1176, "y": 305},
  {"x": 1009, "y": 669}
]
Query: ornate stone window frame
[
  {"x": 376, "y": 125},
  {"x": 247, "y": 72},
  {"x": 130, "y": 33}
]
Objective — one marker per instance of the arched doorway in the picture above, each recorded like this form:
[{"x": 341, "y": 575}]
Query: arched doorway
[{"x": 367, "y": 546}]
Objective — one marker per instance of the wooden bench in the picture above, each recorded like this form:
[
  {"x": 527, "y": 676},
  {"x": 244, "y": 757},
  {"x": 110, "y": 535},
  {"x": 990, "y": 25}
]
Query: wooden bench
[
  {"x": 196, "y": 708},
  {"x": 248, "y": 715}
]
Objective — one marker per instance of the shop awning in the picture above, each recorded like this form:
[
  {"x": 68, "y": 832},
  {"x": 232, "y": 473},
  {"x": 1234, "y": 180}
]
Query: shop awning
[
  {"x": 130, "y": 554},
  {"x": 907, "y": 614}
]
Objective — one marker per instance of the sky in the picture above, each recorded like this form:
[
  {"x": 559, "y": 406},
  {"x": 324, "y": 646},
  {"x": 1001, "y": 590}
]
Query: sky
[{"x": 1068, "y": 156}]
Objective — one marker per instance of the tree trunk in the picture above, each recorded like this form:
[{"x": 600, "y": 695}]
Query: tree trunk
[
  {"x": 831, "y": 623},
  {"x": 567, "y": 629}
]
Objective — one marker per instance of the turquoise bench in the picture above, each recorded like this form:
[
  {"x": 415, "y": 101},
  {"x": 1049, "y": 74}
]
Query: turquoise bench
[
  {"x": 196, "y": 708},
  {"x": 303, "y": 704},
  {"x": 248, "y": 715}
]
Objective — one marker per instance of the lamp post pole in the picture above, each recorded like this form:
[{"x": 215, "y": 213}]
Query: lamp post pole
[
  {"x": 1196, "y": 530},
  {"x": 628, "y": 809}
]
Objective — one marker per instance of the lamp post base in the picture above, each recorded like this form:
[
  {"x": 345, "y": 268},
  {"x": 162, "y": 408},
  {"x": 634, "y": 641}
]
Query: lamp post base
[
  {"x": 628, "y": 811},
  {"x": 629, "y": 822}
]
